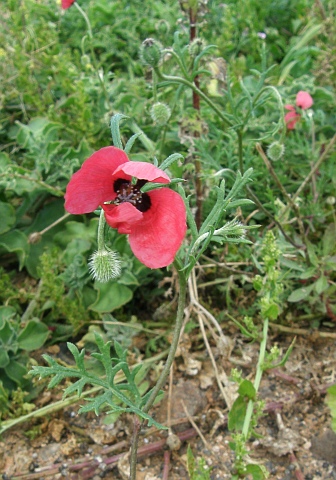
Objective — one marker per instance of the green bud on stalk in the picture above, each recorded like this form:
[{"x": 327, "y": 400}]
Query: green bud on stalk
[
  {"x": 275, "y": 151},
  {"x": 151, "y": 52},
  {"x": 160, "y": 113},
  {"x": 104, "y": 265},
  {"x": 196, "y": 47}
]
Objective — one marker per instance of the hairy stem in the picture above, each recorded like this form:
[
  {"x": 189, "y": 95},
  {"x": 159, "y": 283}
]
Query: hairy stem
[
  {"x": 194, "y": 88},
  {"x": 285, "y": 194},
  {"x": 259, "y": 372},
  {"x": 165, "y": 372},
  {"x": 196, "y": 106}
]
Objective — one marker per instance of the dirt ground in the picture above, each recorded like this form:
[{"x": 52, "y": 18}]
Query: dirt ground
[{"x": 297, "y": 441}]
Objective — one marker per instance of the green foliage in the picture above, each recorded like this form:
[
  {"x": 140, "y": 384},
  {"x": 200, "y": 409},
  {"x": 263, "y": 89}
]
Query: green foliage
[
  {"x": 126, "y": 393},
  {"x": 331, "y": 402},
  {"x": 197, "y": 470},
  {"x": 269, "y": 285},
  {"x": 58, "y": 89},
  {"x": 16, "y": 341}
]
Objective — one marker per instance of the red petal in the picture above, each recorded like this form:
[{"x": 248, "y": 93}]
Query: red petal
[
  {"x": 123, "y": 217},
  {"x": 291, "y": 118},
  {"x": 304, "y": 100},
  {"x": 156, "y": 240},
  {"x": 67, "y": 3},
  {"x": 290, "y": 107},
  {"x": 144, "y": 171},
  {"x": 93, "y": 183}
]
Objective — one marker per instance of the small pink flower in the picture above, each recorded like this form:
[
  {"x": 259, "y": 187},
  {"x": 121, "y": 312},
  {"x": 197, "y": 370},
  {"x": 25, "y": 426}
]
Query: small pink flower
[
  {"x": 303, "y": 101},
  {"x": 155, "y": 221},
  {"x": 67, "y": 3}
]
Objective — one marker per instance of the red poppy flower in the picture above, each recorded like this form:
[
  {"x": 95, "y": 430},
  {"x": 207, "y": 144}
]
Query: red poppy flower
[
  {"x": 303, "y": 101},
  {"x": 67, "y": 3},
  {"x": 155, "y": 221}
]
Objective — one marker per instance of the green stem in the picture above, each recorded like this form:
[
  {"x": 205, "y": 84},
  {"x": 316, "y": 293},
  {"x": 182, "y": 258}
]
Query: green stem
[
  {"x": 93, "y": 56},
  {"x": 259, "y": 372},
  {"x": 86, "y": 18},
  {"x": 165, "y": 372},
  {"x": 183, "y": 81},
  {"x": 240, "y": 151},
  {"x": 101, "y": 231},
  {"x": 176, "y": 337}
]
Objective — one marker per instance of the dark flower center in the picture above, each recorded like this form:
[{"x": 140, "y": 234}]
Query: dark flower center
[{"x": 127, "y": 192}]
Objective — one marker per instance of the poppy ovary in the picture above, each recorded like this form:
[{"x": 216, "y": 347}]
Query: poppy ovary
[{"x": 131, "y": 193}]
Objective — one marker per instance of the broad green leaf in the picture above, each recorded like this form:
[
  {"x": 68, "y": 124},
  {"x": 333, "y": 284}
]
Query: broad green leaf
[
  {"x": 4, "y": 358},
  {"x": 33, "y": 336},
  {"x": 15, "y": 242},
  {"x": 7, "y": 215},
  {"x": 321, "y": 285},
  {"x": 246, "y": 389},
  {"x": 110, "y": 296},
  {"x": 6, "y": 313},
  {"x": 237, "y": 414},
  {"x": 312, "y": 255},
  {"x": 256, "y": 471},
  {"x": 300, "y": 294},
  {"x": 329, "y": 240},
  {"x": 331, "y": 402},
  {"x": 8, "y": 337},
  {"x": 16, "y": 371},
  {"x": 286, "y": 262},
  {"x": 308, "y": 273},
  {"x": 4, "y": 161}
]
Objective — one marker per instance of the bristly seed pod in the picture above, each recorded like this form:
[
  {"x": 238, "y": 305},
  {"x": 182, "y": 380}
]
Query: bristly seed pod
[
  {"x": 275, "y": 151},
  {"x": 151, "y": 52},
  {"x": 196, "y": 47},
  {"x": 160, "y": 113},
  {"x": 105, "y": 265}
]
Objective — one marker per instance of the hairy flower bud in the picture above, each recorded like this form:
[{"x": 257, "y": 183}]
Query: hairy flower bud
[
  {"x": 275, "y": 151},
  {"x": 160, "y": 113},
  {"x": 151, "y": 52},
  {"x": 105, "y": 265},
  {"x": 196, "y": 47},
  {"x": 34, "y": 238}
]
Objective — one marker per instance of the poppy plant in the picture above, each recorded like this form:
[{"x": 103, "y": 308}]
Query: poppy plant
[
  {"x": 155, "y": 221},
  {"x": 67, "y": 3},
  {"x": 303, "y": 101}
]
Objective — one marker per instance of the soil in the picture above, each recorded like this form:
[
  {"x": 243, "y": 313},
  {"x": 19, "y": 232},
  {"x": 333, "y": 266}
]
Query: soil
[{"x": 296, "y": 441}]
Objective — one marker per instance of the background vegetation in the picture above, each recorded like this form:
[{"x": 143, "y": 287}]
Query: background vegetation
[{"x": 62, "y": 80}]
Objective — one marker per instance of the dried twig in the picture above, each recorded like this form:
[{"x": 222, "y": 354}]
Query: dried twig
[
  {"x": 195, "y": 425},
  {"x": 302, "y": 331},
  {"x": 94, "y": 462},
  {"x": 166, "y": 463}
]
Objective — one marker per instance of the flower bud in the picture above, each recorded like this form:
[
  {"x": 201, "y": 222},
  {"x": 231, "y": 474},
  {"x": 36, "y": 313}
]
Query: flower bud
[
  {"x": 330, "y": 200},
  {"x": 86, "y": 62},
  {"x": 151, "y": 52},
  {"x": 160, "y": 113},
  {"x": 34, "y": 238},
  {"x": 196, "y": 47},
  {"x": 275, "y": 151},
  {"x": 104, "y": 265}
]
